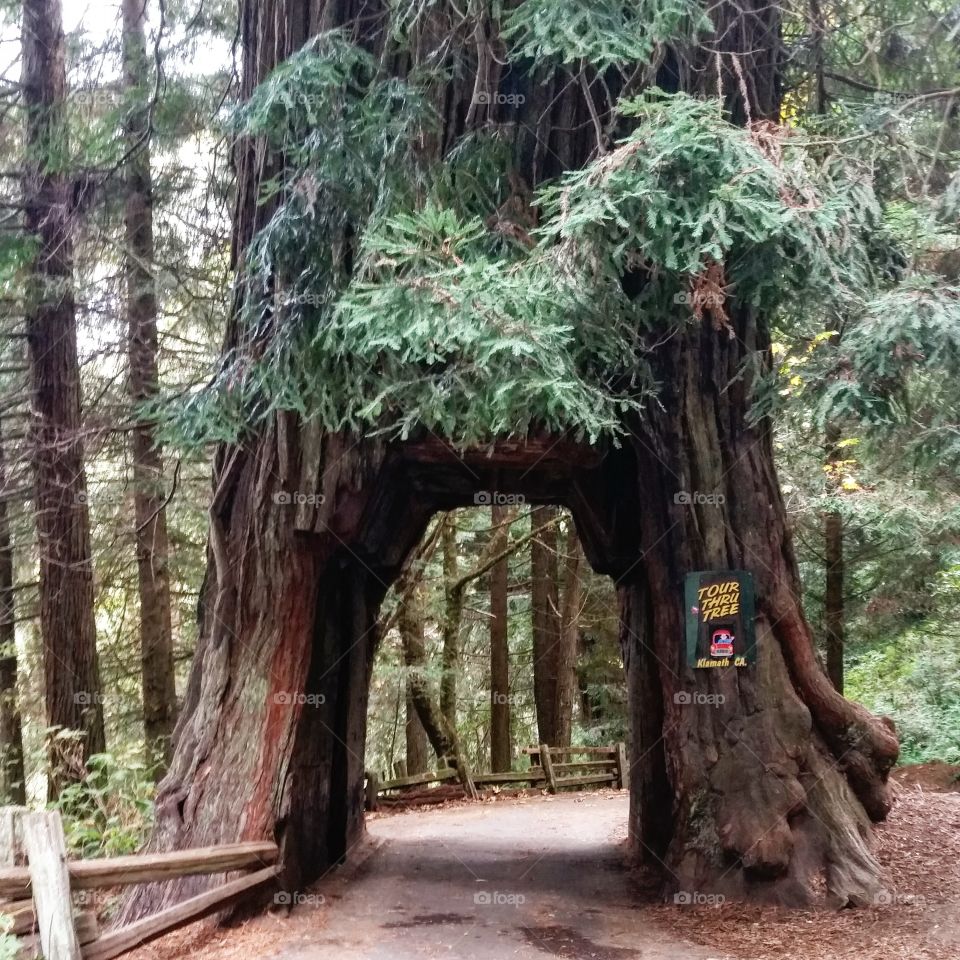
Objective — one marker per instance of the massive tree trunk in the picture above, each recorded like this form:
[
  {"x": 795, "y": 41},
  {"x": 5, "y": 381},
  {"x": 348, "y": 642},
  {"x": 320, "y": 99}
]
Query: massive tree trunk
[
  {"x": 501, "y": 752},
  {"x": 763, "y": 793},
  {"x": 150, "y": 513},
  {"x": 67, "y": 628},
  {"x": 776, "y": 775},
  {"x": 545, "y": 611},
  {"x": 13, "y": 781}
]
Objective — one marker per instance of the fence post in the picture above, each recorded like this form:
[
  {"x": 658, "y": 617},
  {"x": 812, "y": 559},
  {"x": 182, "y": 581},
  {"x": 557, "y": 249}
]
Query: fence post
[
  {"x": 547, "y": 763},
  {"x": 372, "y": 789},
  {"x": 623, "y": 770},
  {"x": 47, "y": 855},
  {"x": 11, "y": 845}
]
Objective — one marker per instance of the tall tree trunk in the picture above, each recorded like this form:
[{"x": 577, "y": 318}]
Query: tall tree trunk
[
  {"x": 150, "y": 514},
  {"x": 442, "y": 736},
  {"x": 501, "y": 751},
  {"x": 834, "y": 607},
  {"x": 417, "y": 744},
  {"x": 13, "y": 781},
  {"x": 568, "y": 644},
  {"x": 452, "y": 616},
  {"x": 67, "y": 627},
  {"x": 545, "y": 610},
  {"x": 766, "y": 793}
]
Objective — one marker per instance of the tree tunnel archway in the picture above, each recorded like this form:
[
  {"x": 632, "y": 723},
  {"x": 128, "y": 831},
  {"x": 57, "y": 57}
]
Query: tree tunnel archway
[
  {"x": 761, "y": 796},
  {"x": 766, "y": 792}
]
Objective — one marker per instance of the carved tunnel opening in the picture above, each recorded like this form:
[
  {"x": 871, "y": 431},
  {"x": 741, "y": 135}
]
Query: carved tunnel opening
[{"x": 327, "y": 810}]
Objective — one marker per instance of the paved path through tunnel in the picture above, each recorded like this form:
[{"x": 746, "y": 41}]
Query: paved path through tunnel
[{"x": 525, "y": 880}]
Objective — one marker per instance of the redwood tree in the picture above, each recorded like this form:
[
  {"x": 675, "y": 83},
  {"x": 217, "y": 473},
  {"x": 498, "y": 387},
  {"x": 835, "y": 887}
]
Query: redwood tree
[
  {"x": 545, "y": 611},
  {"x": 501, "y": 753},
  {"x": 67, "y": 628},
  {"x": 767, "y": 787},
  {"x": 150, "y": 515}
]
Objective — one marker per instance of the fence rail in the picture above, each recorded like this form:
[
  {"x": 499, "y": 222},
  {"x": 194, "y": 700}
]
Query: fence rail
[
  {"x": 37, "y": 882},
  {"x": 552, "y": 767}
]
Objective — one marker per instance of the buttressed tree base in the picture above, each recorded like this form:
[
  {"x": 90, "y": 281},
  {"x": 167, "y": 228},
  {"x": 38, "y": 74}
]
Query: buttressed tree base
[{"x": 764, "y": 785}]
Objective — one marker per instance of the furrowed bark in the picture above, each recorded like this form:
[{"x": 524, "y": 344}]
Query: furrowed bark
[{"x": 67, "y": 628}]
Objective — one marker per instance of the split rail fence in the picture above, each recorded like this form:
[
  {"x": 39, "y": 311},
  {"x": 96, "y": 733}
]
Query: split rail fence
[
  {"x": 38, "y": 885},
  {"x": 554, "y": 768}
]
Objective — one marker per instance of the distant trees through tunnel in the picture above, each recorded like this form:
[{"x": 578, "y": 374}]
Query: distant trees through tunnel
[{"x": 498, "y": 606}]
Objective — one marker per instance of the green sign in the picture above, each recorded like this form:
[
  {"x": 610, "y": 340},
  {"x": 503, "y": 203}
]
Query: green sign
[{"x": 720, "y": 619}]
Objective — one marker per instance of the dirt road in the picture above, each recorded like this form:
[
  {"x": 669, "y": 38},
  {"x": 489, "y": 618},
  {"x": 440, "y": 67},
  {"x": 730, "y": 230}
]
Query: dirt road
[{"x": 539, "y": 878}]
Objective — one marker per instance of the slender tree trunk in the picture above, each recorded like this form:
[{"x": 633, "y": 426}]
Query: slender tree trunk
[
  {"x": 545, "y": 609},
  {"x": 153, "y": 579},
  {"x": 417, "y": 744},
  {"x": 452, "y": 616},
  {"x": 589, "y": 711},
  {"x": 569, "y": 637},
  {"x": 833, "y": 603},
  {"x": 442, "y": 736},
  {"x": 834, "y": 606},
  {"x": 13, "y": 782},
  {"x": 501, "y": 752},
  {"x": 67, "y": 627}
]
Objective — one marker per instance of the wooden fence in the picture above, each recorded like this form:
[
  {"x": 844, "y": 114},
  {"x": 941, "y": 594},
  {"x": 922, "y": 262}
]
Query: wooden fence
[
  {"x": 38, "y": 883},
  {"x": 555, "y": 768}
]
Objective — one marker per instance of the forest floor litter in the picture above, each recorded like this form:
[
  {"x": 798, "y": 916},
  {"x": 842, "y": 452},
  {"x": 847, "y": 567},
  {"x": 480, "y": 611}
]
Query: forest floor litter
[{"x": 536, "y": 876}]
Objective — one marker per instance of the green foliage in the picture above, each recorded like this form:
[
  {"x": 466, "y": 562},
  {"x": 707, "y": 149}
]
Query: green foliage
[
  {"x": 687, "y": 189},
  {"x": 368, "y": 308},
  {"x": 108, "y": 813},
  {"x": 902, "y": 354},
  {"x": 602, "y": 33},
  {"x": 915, "y": 678}
]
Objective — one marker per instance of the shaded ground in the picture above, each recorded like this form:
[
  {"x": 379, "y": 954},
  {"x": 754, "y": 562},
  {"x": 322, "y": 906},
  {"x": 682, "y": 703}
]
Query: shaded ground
[{"x": 535, "y": 878}]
